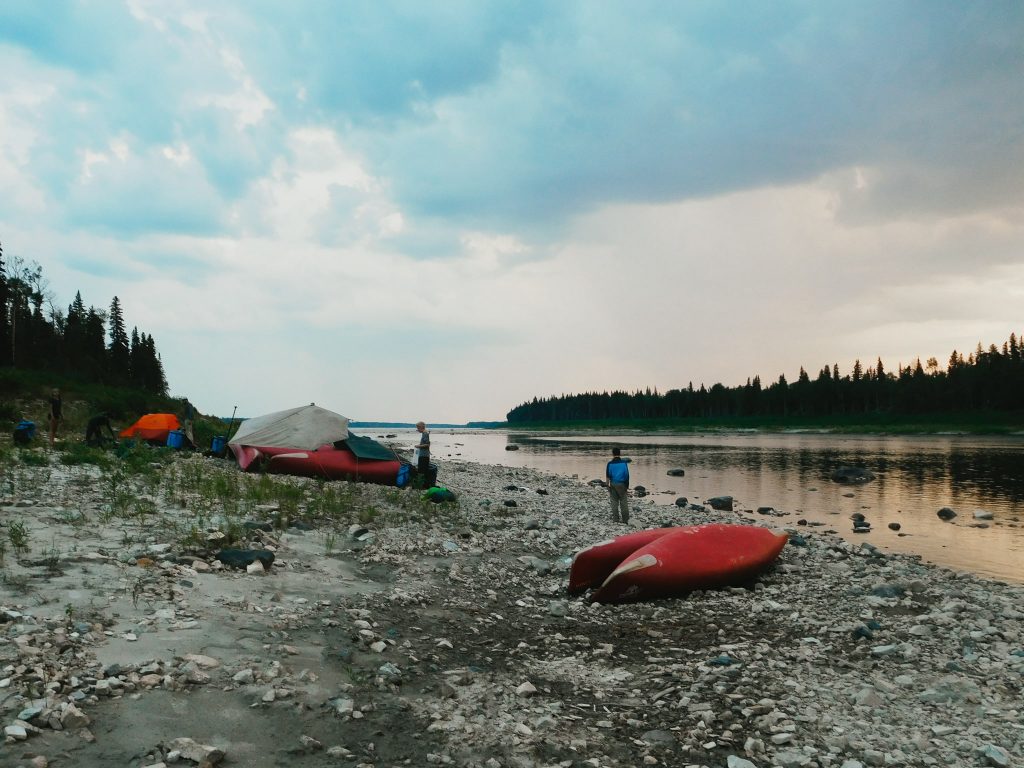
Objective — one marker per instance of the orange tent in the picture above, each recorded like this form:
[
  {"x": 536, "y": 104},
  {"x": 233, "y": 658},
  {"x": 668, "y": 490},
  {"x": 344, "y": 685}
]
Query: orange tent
[{"x": 153, "y": 426}]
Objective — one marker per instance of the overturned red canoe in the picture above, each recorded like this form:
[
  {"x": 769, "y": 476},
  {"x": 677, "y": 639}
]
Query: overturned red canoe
[
  {"x": 594, "y": 564},
  {"x": 692, "y": 557},
  {"x": 327, "y": 462}
]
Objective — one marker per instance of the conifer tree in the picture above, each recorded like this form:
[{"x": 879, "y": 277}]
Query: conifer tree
[
  {"x": 5, "y": 325},
  {"x": 118, "y": 351}
]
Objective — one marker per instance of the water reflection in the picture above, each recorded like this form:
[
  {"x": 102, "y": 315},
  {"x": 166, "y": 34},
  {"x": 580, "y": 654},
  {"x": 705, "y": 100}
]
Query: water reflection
[{"x": 791, "y": 472}]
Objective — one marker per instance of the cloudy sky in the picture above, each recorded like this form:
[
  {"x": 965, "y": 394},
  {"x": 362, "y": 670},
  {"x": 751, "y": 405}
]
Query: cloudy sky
[{"x": 439, "y": 210}]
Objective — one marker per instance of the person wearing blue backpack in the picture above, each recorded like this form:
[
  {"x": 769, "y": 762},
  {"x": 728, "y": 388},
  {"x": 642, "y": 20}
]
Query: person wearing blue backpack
[{"x": 617, "y": 475}]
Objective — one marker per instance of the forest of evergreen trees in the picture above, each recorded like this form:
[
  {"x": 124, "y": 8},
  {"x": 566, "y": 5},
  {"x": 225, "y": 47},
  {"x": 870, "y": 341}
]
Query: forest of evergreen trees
[
  {"x": 989, "y": 380},
  {"x": 85, "y": 343}
]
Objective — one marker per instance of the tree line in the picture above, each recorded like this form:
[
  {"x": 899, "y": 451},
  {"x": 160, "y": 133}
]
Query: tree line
[
  {"x": 986, "y": 380},
  {"x": 87, "y": 343}
]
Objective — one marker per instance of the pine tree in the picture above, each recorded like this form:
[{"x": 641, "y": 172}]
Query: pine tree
[
  {"x": 118, "y": 352},
  {"x": 133, "y": 358},
  {"x": 94, "y": 348},
  {"x": 5, "y": 324}
]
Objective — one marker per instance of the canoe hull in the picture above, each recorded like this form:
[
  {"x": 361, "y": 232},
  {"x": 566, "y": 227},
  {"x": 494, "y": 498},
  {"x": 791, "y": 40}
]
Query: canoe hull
[
  {"x": 325, "y": 462},
  {"x": 593, "y": 565},
  {"x": 692, "y": 557}
]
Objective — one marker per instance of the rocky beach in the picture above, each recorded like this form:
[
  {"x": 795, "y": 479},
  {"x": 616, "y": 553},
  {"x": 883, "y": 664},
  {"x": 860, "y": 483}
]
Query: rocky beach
[{"x": 389, "y": 631}]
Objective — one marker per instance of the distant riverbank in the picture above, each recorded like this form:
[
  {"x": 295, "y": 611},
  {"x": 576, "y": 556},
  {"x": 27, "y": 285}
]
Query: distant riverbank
[{"x": 964, "y": 422}]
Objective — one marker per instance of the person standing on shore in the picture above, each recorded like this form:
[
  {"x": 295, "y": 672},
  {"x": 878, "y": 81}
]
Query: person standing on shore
[
  {"x": 423, "y": 449},
  {"x": 56, "y": 414},
  {"x": 617, "y": 475}
]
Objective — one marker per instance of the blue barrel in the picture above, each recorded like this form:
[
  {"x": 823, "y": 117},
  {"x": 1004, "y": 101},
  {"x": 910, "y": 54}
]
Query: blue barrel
[
  {"x": 217, "y": 444},
  {"x": 175, "y": 439}
]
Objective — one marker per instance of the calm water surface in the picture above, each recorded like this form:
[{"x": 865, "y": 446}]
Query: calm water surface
[{"x": 916, "y": 475}]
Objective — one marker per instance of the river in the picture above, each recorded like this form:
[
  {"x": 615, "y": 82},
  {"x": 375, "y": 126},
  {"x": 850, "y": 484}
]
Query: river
[{"x": 916, "y": 476}]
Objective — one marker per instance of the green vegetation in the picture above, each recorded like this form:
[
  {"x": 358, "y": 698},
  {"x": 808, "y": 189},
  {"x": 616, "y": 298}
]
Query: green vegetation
[
  {"x": 980, "y": 393},
  {"x": 72, "y": 342},
  {"x": 972, "y": 422}
]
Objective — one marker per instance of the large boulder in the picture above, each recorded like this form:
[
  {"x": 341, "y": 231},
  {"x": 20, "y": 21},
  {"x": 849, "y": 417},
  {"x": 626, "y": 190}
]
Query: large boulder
[
  {"x": 852, "y": 475},
  {"x": 721, "y": 503}
]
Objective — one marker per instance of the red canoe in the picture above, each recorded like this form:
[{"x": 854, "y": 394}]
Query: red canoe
[
  {"x": 594, "y": 564},
  {"x": 327, "y": 462},
  {"x": 692, "y": 557}
]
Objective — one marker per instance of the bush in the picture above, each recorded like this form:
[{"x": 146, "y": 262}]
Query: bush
[
  {"x": 79, "y": 453},
  {"x": 33, "y": 458}
]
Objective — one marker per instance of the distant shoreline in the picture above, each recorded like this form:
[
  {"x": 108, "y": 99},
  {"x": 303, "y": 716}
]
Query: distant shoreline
[{"x": 981, "y": 423}]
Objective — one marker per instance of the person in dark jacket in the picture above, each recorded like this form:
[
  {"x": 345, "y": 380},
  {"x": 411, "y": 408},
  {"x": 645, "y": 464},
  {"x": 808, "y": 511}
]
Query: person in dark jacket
[
  {"x": 617, "y": 475},
  {"x": 56, "y": 415},
  {"x": 423, "y": 449},
  {"x": 93, "y": 435}
]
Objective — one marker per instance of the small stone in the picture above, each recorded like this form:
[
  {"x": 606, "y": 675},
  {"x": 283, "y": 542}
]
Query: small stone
[
  {"x": 310, "y": 744},
  {"x": 206, "y": 662},
  {"x": 255, "y": 568},
  {"x": 72, "y": 718},
  {"x": 196, "y": 752},
  {"x": 16, "y": 732},
  {"x": 378, "y": 647},
  {"x": 525, "y": 690},
  {"x": 738, "y": 762}
]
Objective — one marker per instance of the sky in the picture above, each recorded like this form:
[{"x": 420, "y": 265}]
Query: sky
[{"x": 437, "y": 211}]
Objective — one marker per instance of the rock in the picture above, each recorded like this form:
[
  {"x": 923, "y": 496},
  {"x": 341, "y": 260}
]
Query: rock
[
  {"x": 981, "y": 514},
  {"x": 791, "y": 759},
  {"x": 994, "y": 756},
  {"x": 738, "y": 762},
  {"x": 242, "y": 558},
  {"x": 205, "y": 662},
  {"x": 511, "y": 447},
  {"x": 255, "y": 568},
  {"x": 658, "y": 736},
  {"x": 390, "y": 673},
  {"x": 721, "y": 503},
  {"x": 558, "y": 608},
  {"x": 526, "y": 690},
  {"x": 16, "y": 732},
  {"x": 73, "y": 718},
  {"x": 946, "y": 513},
  {"x": 639, "y": 491},
  {"x": 196, "y": 752},
  {"x": 542, "y": 567},
  {"x": 510, "y": 503},
  {"x": 894, "y": 526},
  {"x": 852, "y": 475},
  {"x": 676, "y": 472},
  {"x": 343, "y": 706},
  {"x": 682, "y": 501}
]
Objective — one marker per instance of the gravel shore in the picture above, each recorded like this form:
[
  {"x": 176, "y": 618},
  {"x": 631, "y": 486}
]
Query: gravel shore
[{"x": 392, "y": 632}]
